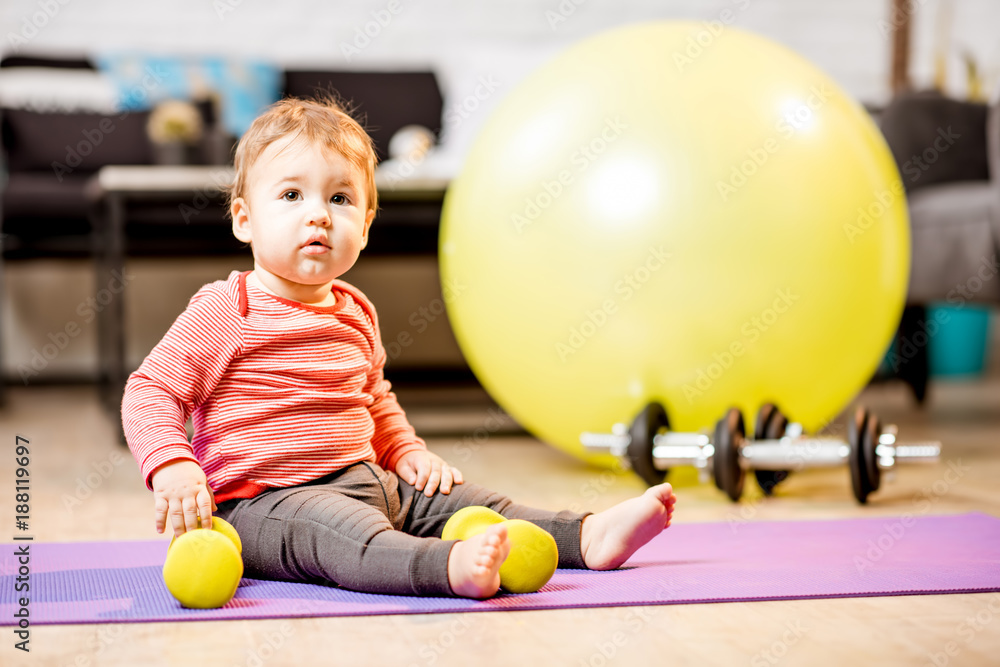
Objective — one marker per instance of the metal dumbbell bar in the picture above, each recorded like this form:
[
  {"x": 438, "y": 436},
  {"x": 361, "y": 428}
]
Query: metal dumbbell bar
[{"x": 778, "y": 448}]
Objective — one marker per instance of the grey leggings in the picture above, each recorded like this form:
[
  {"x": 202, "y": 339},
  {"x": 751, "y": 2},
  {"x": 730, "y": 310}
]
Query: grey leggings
[{"x": 365, "y": 529}]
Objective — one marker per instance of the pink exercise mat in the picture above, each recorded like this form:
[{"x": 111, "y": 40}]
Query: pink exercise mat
[{"x": 100, "y": 582}]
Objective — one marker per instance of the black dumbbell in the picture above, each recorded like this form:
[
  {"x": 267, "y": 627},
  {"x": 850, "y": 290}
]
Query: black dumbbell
[
  {"x": 864, "y": 433},
  {"x": 789, "y": 446},
  {"x": 869, "y": 449},
  {"x": 651, "y": 448},
  {"x": 770, "y": 425},
  {"x": 730, "y": 438},
  {"x": 649, "y": 423}
]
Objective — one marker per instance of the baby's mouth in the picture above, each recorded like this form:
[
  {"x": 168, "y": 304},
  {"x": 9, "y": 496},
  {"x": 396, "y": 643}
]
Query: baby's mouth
[
  {"x": 315, "y": 247},
  {"x": 317, "y": 240}
]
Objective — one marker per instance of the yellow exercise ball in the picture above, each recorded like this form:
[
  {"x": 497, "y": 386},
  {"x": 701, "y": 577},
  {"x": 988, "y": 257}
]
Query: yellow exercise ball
[{"x": 677, "y": 212}]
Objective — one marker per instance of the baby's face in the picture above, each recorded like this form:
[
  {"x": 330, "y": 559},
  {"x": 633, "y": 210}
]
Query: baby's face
[{"x": 305, "y": 214}]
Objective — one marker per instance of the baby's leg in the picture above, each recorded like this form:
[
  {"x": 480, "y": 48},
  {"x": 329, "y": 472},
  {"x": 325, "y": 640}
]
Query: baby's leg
[
  {"x": 610, "y": 537},
  {"x": 474, "y": 565},
  {"x": 425, "y": 517},
  {"x": 596, "y": 541},
  {"x": 337, "y": 530}
]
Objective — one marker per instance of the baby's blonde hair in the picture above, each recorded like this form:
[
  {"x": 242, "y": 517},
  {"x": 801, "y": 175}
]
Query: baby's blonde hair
[{"x": 322, "y": 120}]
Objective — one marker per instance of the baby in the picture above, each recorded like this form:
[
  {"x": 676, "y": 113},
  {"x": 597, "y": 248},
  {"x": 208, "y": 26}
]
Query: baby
[{"x": 298, "y": 440}]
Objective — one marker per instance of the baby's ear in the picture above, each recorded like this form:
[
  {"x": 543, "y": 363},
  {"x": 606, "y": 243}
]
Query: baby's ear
[
  {"x": 240, "y": 213},
  {"x": 369, "y": 217}
]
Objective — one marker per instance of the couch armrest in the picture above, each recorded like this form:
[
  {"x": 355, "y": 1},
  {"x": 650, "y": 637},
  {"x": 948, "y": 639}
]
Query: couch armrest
[{"x": 935, "y": 139}]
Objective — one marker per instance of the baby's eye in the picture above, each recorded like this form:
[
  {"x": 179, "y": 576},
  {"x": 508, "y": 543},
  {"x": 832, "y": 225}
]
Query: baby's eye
[
  {"x": 291, "y": 195},
  {"x": 339, "y": 199}
]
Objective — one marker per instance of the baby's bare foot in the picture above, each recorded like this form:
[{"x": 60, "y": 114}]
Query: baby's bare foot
[
  {"x": 474, "y": 564},
  {"x": 609, "y": 538}
]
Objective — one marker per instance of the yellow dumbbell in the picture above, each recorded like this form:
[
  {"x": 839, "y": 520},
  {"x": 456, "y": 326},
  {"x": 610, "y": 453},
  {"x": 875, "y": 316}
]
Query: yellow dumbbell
[
  {"x": 533, "y": 553},
  {"x": 204, "y": 567}
]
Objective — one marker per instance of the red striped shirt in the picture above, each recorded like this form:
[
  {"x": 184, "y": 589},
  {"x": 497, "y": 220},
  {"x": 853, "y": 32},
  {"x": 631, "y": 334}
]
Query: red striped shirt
[{"x": 279, "y": 392}]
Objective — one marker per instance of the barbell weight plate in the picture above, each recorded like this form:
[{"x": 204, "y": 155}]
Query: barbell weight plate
[
  {"x": 763, "y": 416},
  {"x": 873, "y": 430},
  {"x": 771, "y": 425},
  {"x": 647, "y": 424},
  {"x": 717, "y": 441},
  {"x": 860, "y": 483},
  {"x": 730, "y": 434}
]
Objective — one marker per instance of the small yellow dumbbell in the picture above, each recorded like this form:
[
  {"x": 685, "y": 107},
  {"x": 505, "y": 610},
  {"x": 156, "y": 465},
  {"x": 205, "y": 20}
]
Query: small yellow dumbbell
[
  {"x": 533, "y": 553},
  {"x": 204, "y": 567}
]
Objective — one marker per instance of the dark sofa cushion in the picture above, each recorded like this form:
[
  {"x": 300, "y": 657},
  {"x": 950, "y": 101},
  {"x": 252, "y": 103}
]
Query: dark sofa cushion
[
  {"x": 67, "y": 143},
  {"x": 936, "y": 139},
  {"x": 384, "y": 101},
  {"x": 43, "y": 217},
  {"x": 37, "y": 194},
  {"x": 27, "y": 60}
]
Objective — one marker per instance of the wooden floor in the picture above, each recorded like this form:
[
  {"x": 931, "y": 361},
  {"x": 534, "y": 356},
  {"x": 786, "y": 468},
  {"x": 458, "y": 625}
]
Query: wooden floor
[{"x": 72, "y": 438}]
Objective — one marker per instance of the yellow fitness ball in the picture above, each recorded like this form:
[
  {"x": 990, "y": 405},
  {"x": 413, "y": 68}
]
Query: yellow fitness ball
[
  {"x": 203, "y": 568},
  {"x": 533, "y": 556},
  {"x": 679, "y": 213}
]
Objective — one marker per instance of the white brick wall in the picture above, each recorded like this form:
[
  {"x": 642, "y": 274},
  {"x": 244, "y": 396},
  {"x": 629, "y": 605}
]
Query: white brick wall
[
  {"x": 462, "y": 40},
  {"x": 465, "y": 39}
]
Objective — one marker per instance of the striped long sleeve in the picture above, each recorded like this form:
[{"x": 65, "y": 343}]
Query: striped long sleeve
[{"x": 279, "y": 392}]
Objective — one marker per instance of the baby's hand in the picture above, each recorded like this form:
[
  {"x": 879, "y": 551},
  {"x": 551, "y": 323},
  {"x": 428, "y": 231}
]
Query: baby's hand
[
  {"x": 427, "y": 471},
  {"x": 181, "y": 491}
]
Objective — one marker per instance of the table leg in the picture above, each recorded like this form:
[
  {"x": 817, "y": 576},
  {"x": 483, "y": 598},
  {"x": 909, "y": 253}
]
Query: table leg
[{"x": 111, "y": 316}]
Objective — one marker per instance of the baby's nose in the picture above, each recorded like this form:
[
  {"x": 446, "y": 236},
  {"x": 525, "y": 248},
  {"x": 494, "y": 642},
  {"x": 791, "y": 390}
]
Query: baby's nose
[{"x": 319, "y": 216}]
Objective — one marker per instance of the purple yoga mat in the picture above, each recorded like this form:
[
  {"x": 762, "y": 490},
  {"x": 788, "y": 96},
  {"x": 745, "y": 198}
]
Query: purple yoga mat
[{"x": 100, "y": 582}]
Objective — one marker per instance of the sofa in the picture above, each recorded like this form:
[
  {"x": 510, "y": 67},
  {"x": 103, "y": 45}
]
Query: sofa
[{"x": 948, "y": 153}]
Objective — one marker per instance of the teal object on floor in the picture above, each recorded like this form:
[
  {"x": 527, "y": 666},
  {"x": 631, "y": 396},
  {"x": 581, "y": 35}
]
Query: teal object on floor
[{"x": 960, "y": 345}]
